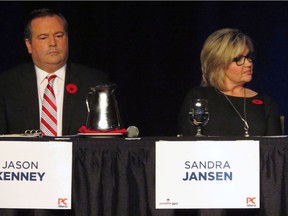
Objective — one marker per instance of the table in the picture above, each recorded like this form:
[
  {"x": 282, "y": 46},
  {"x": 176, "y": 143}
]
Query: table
[{"x": 116, "y": 177}]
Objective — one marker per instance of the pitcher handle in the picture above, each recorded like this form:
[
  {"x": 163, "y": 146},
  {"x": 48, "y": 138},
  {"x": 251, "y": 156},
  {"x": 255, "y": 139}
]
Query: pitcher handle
[{"x": 87, "y": 101}]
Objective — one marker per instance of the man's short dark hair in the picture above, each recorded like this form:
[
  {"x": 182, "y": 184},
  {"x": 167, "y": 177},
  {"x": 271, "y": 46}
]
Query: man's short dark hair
[{"x": 43, "y": 12}]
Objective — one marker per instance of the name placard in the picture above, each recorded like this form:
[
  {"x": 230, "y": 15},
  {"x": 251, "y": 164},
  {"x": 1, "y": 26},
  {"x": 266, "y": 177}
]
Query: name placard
[
  {"x": 36, "y": 175},
  {"x": 207, "y": 174}
]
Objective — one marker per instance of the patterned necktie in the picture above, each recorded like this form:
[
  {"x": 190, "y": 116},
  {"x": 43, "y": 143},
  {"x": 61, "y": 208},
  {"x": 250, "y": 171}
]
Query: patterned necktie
[{"x": 48, "y": 124}]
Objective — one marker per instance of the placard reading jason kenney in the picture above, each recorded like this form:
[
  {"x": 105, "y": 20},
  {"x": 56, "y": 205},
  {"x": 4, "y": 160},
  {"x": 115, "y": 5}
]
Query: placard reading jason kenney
[
  {"x": 207, "y": 174},
  {"x": 36, "y": 175}
]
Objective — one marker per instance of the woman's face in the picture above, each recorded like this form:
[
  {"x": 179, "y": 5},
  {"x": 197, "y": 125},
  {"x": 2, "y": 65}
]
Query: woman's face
[{"x": 237, "y": 73}]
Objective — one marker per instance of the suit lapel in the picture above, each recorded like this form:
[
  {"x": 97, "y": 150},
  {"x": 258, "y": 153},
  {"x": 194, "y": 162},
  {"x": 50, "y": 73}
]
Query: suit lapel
[
  {"x": 69, "y": 99},
  {"x": 30, "y": 94}
]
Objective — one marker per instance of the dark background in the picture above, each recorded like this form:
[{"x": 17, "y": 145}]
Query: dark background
[{"x": 151, "y": 49}]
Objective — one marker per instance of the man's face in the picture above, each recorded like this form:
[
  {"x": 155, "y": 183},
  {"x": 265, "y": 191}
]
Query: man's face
[{"x": 49, "y": 43}]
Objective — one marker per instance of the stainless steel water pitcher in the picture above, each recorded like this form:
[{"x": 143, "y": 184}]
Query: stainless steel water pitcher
[{"x": 103, "y": 113}]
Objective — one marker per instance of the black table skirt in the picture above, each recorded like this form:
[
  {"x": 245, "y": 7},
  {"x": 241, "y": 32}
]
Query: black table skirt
[{"x": 116, "y": 177}]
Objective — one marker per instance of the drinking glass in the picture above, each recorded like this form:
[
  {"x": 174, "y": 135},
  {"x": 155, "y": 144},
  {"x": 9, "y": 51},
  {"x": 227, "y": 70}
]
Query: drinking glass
[{"x": 199, "y": 114}]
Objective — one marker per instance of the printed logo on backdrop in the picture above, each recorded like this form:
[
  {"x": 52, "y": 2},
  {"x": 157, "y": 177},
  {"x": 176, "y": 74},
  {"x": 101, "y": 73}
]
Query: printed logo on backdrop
[{"x": 21, "y": 171}]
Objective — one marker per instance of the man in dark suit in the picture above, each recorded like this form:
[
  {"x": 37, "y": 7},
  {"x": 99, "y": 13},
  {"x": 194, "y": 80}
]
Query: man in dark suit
[{"x": 22, "y": 88}]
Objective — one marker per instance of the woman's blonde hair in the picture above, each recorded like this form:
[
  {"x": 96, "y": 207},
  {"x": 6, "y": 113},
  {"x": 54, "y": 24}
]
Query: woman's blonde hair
[{"x": 218, "y": 52}]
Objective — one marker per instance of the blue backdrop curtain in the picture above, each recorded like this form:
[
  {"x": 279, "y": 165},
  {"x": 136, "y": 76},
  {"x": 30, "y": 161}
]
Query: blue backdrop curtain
[{"x": 151, "y": 49}]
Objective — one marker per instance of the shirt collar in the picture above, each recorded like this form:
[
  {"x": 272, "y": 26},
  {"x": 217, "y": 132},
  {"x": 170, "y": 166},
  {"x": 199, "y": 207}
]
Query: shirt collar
[{"x": 41, "y": 74}]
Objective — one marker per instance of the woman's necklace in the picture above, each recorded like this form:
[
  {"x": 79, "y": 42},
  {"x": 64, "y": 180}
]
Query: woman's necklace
[{"x": 246, "y": 126}]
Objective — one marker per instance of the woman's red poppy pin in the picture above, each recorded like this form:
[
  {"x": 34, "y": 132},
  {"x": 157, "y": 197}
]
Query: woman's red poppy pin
[{"x": 257, "y": 101}]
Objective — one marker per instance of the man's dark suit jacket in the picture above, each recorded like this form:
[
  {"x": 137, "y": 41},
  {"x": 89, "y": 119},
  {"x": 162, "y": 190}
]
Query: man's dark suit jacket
[{"x": 19, "y": 107}]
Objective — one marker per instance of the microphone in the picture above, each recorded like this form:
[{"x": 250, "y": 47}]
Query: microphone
[{"x": 132, "y": 131}]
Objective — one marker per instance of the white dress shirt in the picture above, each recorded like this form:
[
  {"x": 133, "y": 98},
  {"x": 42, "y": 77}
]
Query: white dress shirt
[{"x": 58, "y": 87}]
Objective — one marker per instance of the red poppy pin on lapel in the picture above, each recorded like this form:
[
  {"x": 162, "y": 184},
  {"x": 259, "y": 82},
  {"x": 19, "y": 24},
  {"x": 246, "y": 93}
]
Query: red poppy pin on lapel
[
  {"x": 71, "y": 88},
  {"x": 257, "y": 101}
]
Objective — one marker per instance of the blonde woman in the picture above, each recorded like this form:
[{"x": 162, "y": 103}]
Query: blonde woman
[{"x": 234, "y": 110}]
